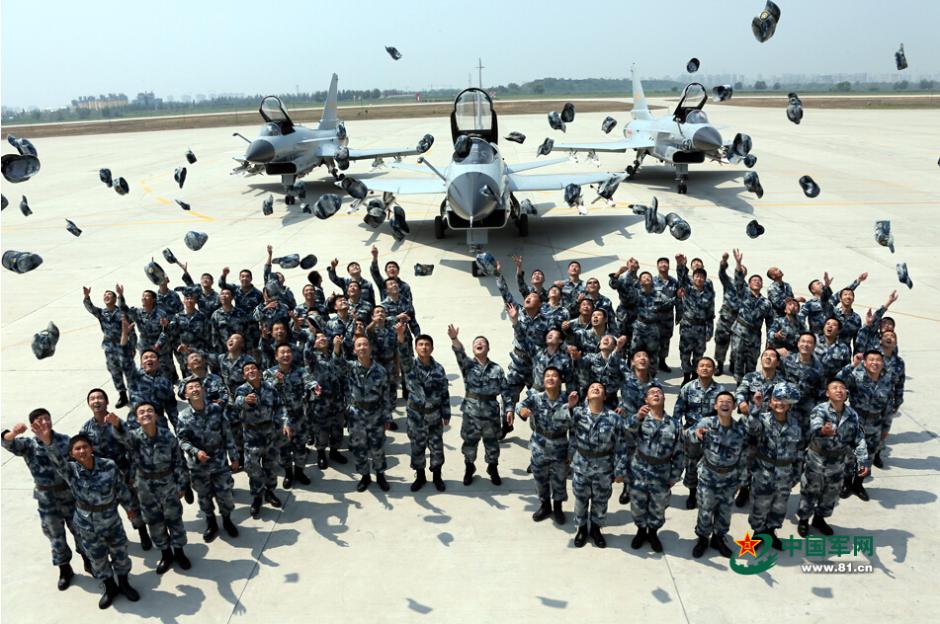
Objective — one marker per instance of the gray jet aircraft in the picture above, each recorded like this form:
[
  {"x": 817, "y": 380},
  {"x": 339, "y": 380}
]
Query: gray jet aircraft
[
  {"x": 292, "y": 151},
  {"x": 683, "y": 139}
]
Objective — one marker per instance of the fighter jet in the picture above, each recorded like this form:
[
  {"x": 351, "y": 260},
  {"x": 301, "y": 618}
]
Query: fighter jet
[
  {"x": 292, "y": 151},
  {"x": 478, "y": 185},
  {"x": 685, "y": 138}
]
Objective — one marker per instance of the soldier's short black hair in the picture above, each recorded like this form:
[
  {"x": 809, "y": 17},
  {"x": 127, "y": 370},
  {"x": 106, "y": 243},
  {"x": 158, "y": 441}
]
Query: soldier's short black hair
[
  {"x": 555, "y": 286},
  {"x": 315, "y": 278},
  {"x": 588, "y": 301},
  {"x": 229, "y": 289},
  {"x": 391, "y": 263},
  {"x": 724, "y": 393},
  {"x": 694, "y": 260},
  {"x": 662, "y": 259},
  {"x": 146, "y": 351},
  {"x": 209, "y": 275},
  {"x": 248, "y": 271},
  {"x": 140, "y": 404},
  {"x": 424, "y": 337},
  {"x": 753, "y": 275},
  {"x": 151, "y": 293},
  {"x": 94, "y": 390},
  {"x": 601, "y": 310},
  {"x": 772, "y": 350},
  {"x": 574, "y": 262},
  {"x": 80, "y": 437},
  {"x": 483, "y": 337},
  {"x": 633, "y": 354},
  {"x": 833, "y": 318},
  {"x": 807, "y": 333},
  {"x": 704, "y": 357},
  {"x": 390, "y": 279},
  {"x": 551, "y": 368},
  {"x": 114, "y": 294},
  {"x": 809, "y": 286},
  {"x": 534, "y": 271},
  {"x": 352, "y": 263},
  {"x": 701, "y": 272},
  {"x": 280, "y": 346},
  {"x": 645, "y": 273},
  {"x": 36, "y": 413},
  {"x": 835, "y": 380},
  {"x": 845, "y": 289},
  {"x": 255, "y": 364},
  {"x": 873, "y": 352},
  {"x": 653, "y": 386},
  {"x": 887, "y": 319}
]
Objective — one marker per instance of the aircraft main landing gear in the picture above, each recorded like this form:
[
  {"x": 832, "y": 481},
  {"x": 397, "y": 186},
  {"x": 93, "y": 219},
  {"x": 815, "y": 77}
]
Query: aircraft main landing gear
[
  {"x": 522, "y": 224},
  {"x": 439, "y": 227},
  {"x": 683, "y": 187}
]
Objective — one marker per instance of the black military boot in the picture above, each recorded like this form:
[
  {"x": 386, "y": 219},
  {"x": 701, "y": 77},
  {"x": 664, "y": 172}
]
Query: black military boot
[
  {"x": 129, "y": 592},
  {"x": 110, "y": 590},
  {"x": 288, "y": 477},
  {"x": 846, "y": 490},
  {"x": 505, "y": 430},
  {"x": 65, "y": 576},
  {"x": 558, "y": 513},
  {"x": 820, "y": 523},
  {"x": 595, "y": 533},
  {"x": 720, "y": 369},
  {"x": 544, "y": 511},
  {"x": 493, "y": 471},
  {"x": 229, "y": 526},
  {"x": 700, "y": 545},
  {"x": 86, "y": 562},
  {"x": 180, "y": 557},
  {"x": 580, "y": 538},
  {"x": 691, "y": 502},
  {"x": 364, "y": 482},
  {"x": 802, "y": 527},
  {"x": 625, "y": 495},
  {"x": 744, "y": 494},
  {"x": 380, "y": 479},
  {"x": 188, "y": 495},
  {"x": 145, "y": 542},
  {"x": 255, "y": 509},
  {"x": 122, "y": 401},
  {"x": 775, "y": 542},
  {"x": 392, "y": 425},
  {"x": 166, "y": 561},
  {"x": 663, "y": 367},
  {"x": 468, "y": 473},
  {"x": 438, "y": 481},
  {"x": 638, "y": 539},
  {"x": 338, "y": 457},
  {"x": 420, "y": 480},
  {"x": 719, "y": 544},
  {"x": 300, "y": 477},
  {"x": 877, "y": 461},
  {"x": 858, "y": 489},
  {"x": 272, "y": 499},
  {"x": 212, "y": 529},
  {"x": 321, "y": 459},
  {"x": 653, "y": 539}
]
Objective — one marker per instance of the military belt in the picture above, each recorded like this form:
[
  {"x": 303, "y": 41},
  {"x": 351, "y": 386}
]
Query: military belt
[
  {"x": 653, "y": 461},
  {"x": 775, "y": 462},
  {"x": 648, "y": 321},
  {"x": 717, "y": 468},
  {"x": 551, "y": 435},
  {"x": 366, "y": 405},
  {"x": 868, "y": 415},
  {"x": 827, "y": 453},
  {"x": 94, "y": 508},
  {"x": 155, "y": 475},
  {"x": 59, "y": 487},
  {"x": 481, "y": 397},
  {"x": 423, "y": 410},
  {"x": 587, "y": 453}
]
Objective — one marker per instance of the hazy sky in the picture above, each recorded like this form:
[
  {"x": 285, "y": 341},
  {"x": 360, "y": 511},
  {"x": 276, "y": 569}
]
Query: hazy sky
[{"x": 53, "y": 52}]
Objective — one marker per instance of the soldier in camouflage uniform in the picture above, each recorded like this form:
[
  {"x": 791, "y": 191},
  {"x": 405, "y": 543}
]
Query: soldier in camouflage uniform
[
  {"x": 588, "y": 339},
  {"x": 428, "y": 408},
  {"x": 831, "y": 352},
  {"x": 632, "y": 397},
  {"x": 214, "y": 388},
  {"x": 230, "y": 365},
  {"x": 813, "y": 313},
  {"x": 599, "y": 456},
  {"x": 536, "y": 283},
  {"x": 553, "y": 354},
  {"x": 484, "y": 383},
  {"x": 605, "y": 365},
  {"x": 185, "y": 331},
  {"x": 384, "y": 343},
  {"x": 290, "y": 383},
  {"x": 313, "y": 307},
  {"x": 656, "y": 465},
  {"x": 753, "y": 309},
  {"x": 355, "y": 277},
  {"x": 396, "y": 305},
  {"x": 247, "y": 298},
  {"x": 263, "y": 418},
  {"x": 779, "y": 292},
  {"x": 392, "y": 272},
  {"x": 272, "y": 310},
  {"x": 54, "y": 500},
  {"x": 147, "y": 319},
  {"x": 835, "y": 432},
  {"x": 869, "y": 336},
  {"x": 624, "y": 282},
  {"x": 571, "y": 289},
  {"x": 109, "y": 318},
  {"x": 750, "y": 394},
  {"x": 550, "y": 412},
  {"x": 226, "y": 321},
  {"x": 894, "y": 366},
  {"x": 160, "y": 476},
  {"x": 147, "y": 384},
  {"x": 205, "y": 437},
  {"x": 786, "y": 328},
  {"x": 650, "y": 305},
  {"x": 804, "y": 371},
  {"x": 97, "y": 486},
  {"x": 168, "y": 300},
  {"x": 327, "y": 409},
  {"x": 592, "y": 288},
  {"x": 779, "y": 459},
  {"x": 841, "y": 305},
  {"x": 698, "y": 322},
  {"x": 668, "y": 286},
  {"x": 208, "y": 297},
  {"x": 696, "y": 400},
  {"x": 730, "y": 303},
  {"x": 369, "y": 412},
  {"x": 275, "y": 335},
  {"x": 722, "y": 440}
]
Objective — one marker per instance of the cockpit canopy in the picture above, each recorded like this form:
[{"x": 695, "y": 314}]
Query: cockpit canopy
[
  {"x": 693, "y": 99},
  {"x": 481, "y": 153},
  {"x": 473, "y": 116},
  {"x": 274, "y": 113},
  {"x": 696, "y": 117}
]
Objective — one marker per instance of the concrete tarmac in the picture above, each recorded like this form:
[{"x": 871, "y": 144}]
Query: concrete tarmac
[{"x": 473, "y": 552}]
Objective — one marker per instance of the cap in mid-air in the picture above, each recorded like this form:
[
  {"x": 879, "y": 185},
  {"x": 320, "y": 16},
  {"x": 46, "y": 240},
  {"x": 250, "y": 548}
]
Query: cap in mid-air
[
  {"x": 754, "y": 229},
  {"x": 291, "y": 261},
  {"x": 21, "y": 261},
  {"x": 425, "y": 143},
  {"x": 903, "y": 276},
  {"x": 573, "y": 195},
  {"x": 764, "y": 25},
  {"x": 752, "y": 183},
  {"x": 182, "y": 204},
  {"x": 168, "y": 256},
  {"x": 567, "y": 113},
  {"x": 486, "y": 263},
  {"x": 19, "y": 167},
  {"x": 883, "y": 235},
  {"x": 105, "y": 176},
  {"x": 809, "y": 186},
  {"x": 555, "y": 121},
  {"x": 692, "y": 66},
  {"x": 26, "y": 148},
  {"x": 608, "y": 124},
  {"x": 422, "y": 270},
  {"x": 308, "y": 262},
  {"x": 44, "y": 342},
  {"x": 267, "y": 206},
  {"x": 24, "y": 207},
  {"x": 180, "y": 176},
  {"x": 546, "y": 147},
  {"x": 155, "y": 272},
  {"x": 73, "y": 229},
  {"x": 375, "y": 213},
  {"x": 723, "y": 92},
  {"x": 195, "y": 240},
  {"x": 398, "y": 223},
  {"x": 190, "y": 157},
  {"x": 120, "y": 186},
  {"x": 516, "y": 137},
  {"x": 900, "y": 59},
  {"x": 678, "y": 227},
  {"x": 794, "y": 108},
  {"x": 327, "y": 206},
  {"x": 354, "y": 187},
  {"x": 393, "y": 52}
]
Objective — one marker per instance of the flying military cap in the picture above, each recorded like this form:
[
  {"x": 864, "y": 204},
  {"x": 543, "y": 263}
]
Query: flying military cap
[
  {"x": 608, "y": 124},
  {"x": 526, "y": 207},
  {"x": 641, "y": 210},
  {"x": 120, "y": 186},
  {"x": 555, "y": 121},
  {"x": 754, "y": 229},
  {"x": 678, "y": 227},
  {"x": 274, "y": 288},
  {"x": 191, "y": 292},
  {"x": 422, "y": 270},
  {"x": 3, "y": 202},
  {"x": 24, "y": 207},
  {"x": 44, "y": 342},
  {"x": 752, "y": 183},
  {"x": 267, "y": 206},
  {"x": 692, "y": 66},
  {"x": 19, "y": 167},
  {"x": 462, "y": 146},
  {"x": 195, "y": 240},
  {"x": 900, "y": 59},
  {"x": 298, "y": 189},
  {"x": 308, "y": 262},
  {"x": 795, "y": 108},
  {"x": 567, "y": 113},
  {"x": 354, "y": 187},
  {"x": 573, "y": 195},
  {"x": 327, "y": 206},
  {"x": 169, "y": 257},
  {"x": 723, "y": 92},
  {"x": 155, "y": 272},
  {"x": 375, "y": 213},
  {"x": 749, "y": 161},
  {"x": 764, "y": 25},
  {"x": 72, "y": 228},
  {"x": 342, "y": 158},
  {"x": 655, "y": 223},
  {"x": 883, "y": 235},
  {"x": 25, "y": 146},
  {"x": 787, "y": 392},
  {"x": 105, "y": 176},
  {"x": 903, "y": 276},
  {"x": 180, "y": 176},
  {"x": 486, "y": 263},
  {"x": 21, "y": 261},
  {"x": 546, "y": 147},
  {"x": 810, "y": 188},
  {"x": 291, "y": 261},
  {"x": 306, "y": 209},
  {"x": 425, "y": 143},
  {"x": 190, "y": 157},
  {"x": 742, "y": 144},
  {"x": 398, "y": 223},
  {"x": 516, "y": 137},
  {"x": 393, "y": 52},
  {"x": 608, "y": 187},
  {"x": 182, "y": 204}
]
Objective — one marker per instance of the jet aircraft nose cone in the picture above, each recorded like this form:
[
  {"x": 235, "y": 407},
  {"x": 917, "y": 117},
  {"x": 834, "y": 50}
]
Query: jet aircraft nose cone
[
  {"x": 473, "y": 196},
  {"x": 260, "y": 151},
  {"x": 706, "y": 139}
]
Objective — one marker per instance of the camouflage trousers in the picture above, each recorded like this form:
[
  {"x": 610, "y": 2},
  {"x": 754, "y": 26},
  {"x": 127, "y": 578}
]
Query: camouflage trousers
[
  {"x": 723, "y": 334},
  {"x": 262, "y": 448},
  {"x": 666, "y": 329},
  {"x": 294, "y": 451},
  {"x": 820, "y": 485},
  {"x": 549, "y": 467},
  {"x": 104, "y": 542},
  {"x": 426, "y": 433},
  {"x": 692, "y": 339},
  {"x": 326, "y": 422},
  {"x": 872, "y": 428},
  {"x": 112, "y": 360},
  {"x": 474, "y": 428},
  {"x": 216, "y": 483},
  {"x": 745, "y": 349},
  {"x": 649, "y": 493},
  {"x": 646, "y": 338},
  {"x": 56, "y": 510},
  {"x": 591, "y": 484},
  {"x": 625, "y": 320},
  {"x": 770, "y": 491},
  {"x": 747, "y": 463},
  {"x": 367, "y": 440},
  {"x": 715, "y": 499},
  {"x": 693, "y": 457},
  {"x": 162, "y": 510}
]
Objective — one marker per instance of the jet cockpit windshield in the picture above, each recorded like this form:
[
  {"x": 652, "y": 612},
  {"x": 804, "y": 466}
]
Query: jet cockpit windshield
[
  {"x": 473, "y": 115},
  {"x": 481, "y": 153},
  {"x": 274, "y": 113},
  {"x": 693, "y": 98}
]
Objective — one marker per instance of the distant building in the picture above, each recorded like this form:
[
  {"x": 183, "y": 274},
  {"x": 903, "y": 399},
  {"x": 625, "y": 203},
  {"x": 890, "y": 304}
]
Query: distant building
[
  {"x": 90, "y": 102},
  {"x": 147, "y": 100}
]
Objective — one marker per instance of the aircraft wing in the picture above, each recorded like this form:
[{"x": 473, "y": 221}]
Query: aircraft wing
[
  {"x": 533, "y": 165},
  {"x": 407, "y": 186},
  {"x": 381, "y": 152},
  {"x": 554, "y": 182},
  {"x": 639, "y": 141},
  {"x": 410, "y": 167}
]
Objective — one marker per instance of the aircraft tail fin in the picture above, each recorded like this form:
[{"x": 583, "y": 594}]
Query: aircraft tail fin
[
  {"x": 329, "y": 118},
  {"x": 640, "y": 108}
]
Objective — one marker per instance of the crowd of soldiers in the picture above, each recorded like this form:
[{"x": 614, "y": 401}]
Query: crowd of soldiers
[{"x": 264, "y": 377}]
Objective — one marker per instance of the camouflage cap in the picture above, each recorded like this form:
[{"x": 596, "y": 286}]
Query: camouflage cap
[{"x": 44, "y": 342}]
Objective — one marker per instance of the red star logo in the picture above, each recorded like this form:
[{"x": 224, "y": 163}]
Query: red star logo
[{"x": 747, "y": 545}]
